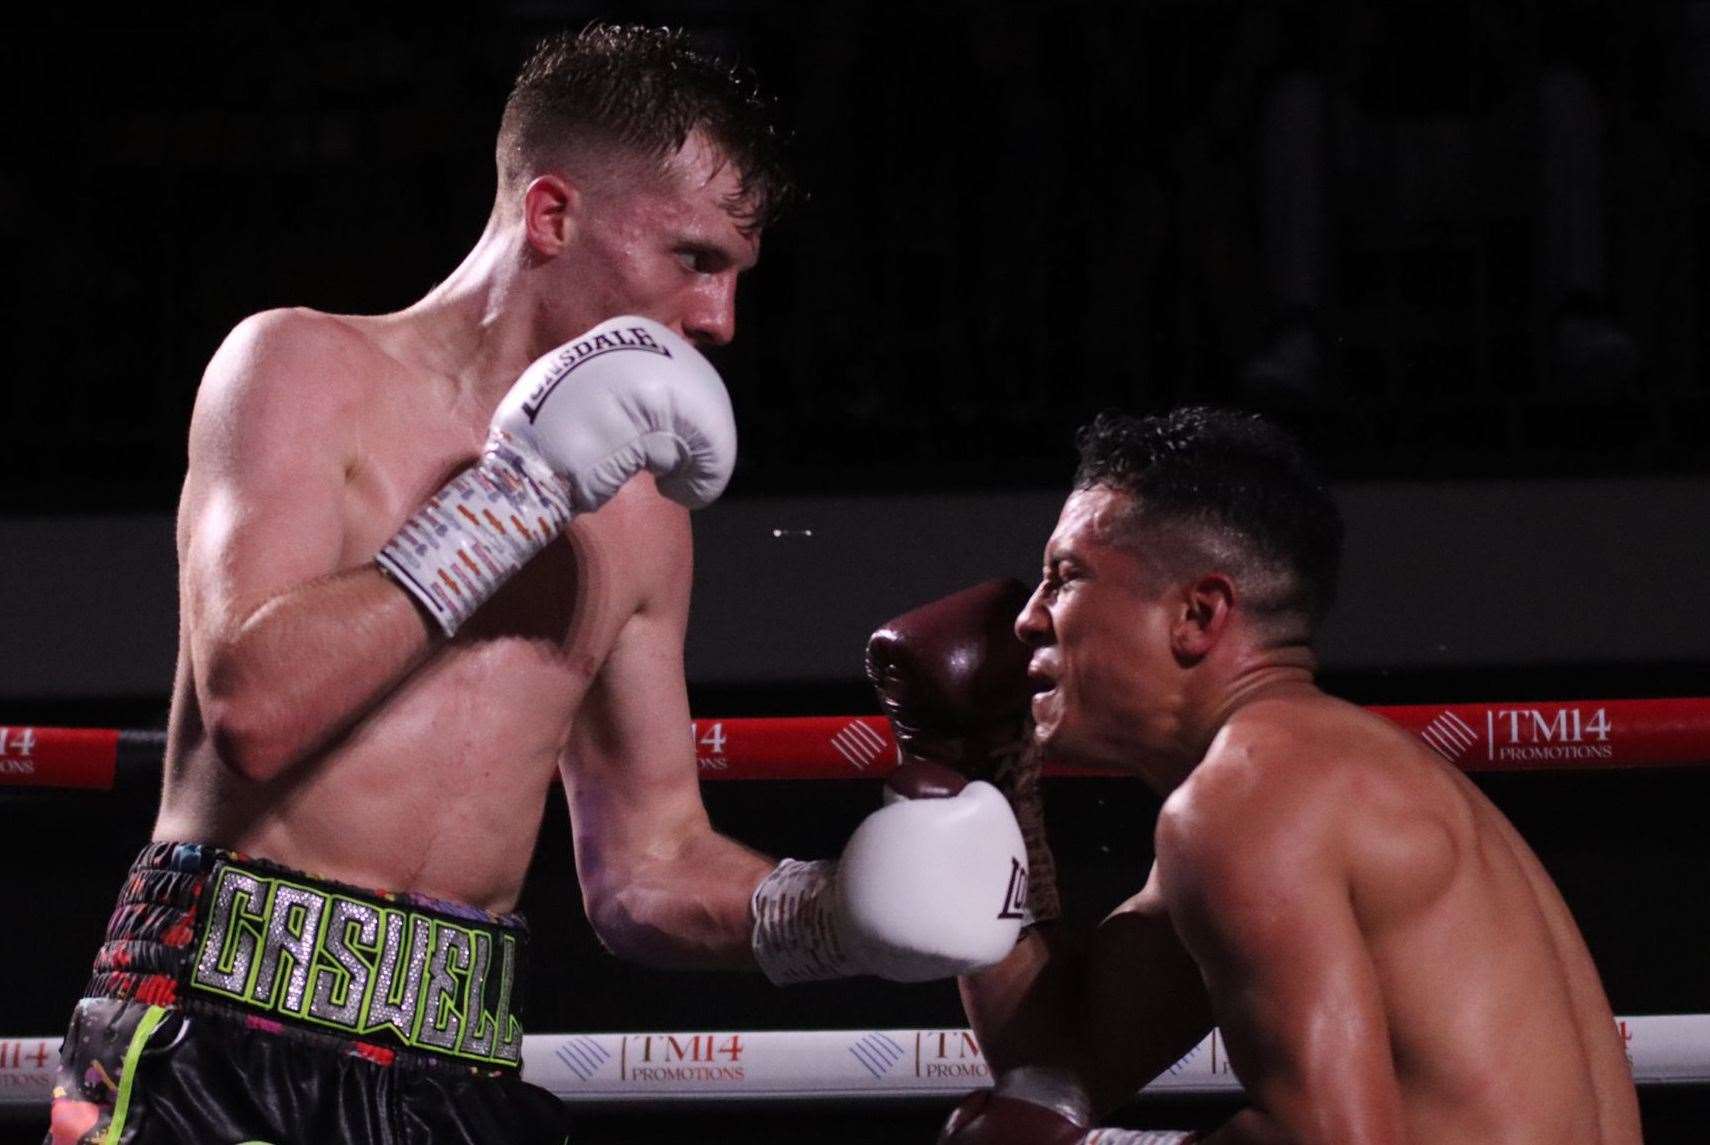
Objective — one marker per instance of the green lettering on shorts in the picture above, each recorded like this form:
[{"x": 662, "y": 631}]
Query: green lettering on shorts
[{"x": 314, "y": 955}]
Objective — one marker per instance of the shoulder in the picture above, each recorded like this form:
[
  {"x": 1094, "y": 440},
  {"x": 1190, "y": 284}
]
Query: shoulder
[
  {"x": 304, "y": 350},
  {"x": 1319, "y": 785},
  {"x": 291, "y": 337},
  {"x": 1260, "y": 772},
  {"x": 288, "y": 376},
  {"x": 282, "y": 372}
]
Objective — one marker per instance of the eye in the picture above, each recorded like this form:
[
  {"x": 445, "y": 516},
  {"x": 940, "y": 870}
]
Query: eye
[
  {"x": 1052, "y": 580},
  {"x": 700, "y": 260}
]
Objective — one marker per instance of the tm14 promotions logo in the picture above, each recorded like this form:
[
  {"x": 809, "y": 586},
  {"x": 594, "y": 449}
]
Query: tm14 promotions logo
[
  {"x": 683, "y": 1058},
  {"x": 1551, "y": 733}
]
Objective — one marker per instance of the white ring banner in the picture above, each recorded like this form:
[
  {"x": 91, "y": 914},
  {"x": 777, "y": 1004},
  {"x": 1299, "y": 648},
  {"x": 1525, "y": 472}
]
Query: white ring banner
[{"x": 845, "y": 1065}]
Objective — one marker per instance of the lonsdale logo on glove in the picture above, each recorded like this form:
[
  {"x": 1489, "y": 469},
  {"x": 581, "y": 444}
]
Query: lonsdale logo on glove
[
  {"x": 1015, "y": 897},
  {"x": 575, "y": 353}
]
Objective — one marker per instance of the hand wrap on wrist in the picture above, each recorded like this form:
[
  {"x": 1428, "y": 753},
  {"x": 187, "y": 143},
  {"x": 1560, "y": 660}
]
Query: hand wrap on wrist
[
  {"x": 795, "y": 935},
  {"x": 469, "y": 538}
]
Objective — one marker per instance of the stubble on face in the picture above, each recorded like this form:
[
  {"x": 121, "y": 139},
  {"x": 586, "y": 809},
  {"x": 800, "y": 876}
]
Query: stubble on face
[
  {"x": 646, "y": 226},
  {"x": 1097, "y": 644}
]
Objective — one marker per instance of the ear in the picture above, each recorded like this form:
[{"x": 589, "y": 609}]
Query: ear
[
  {"x": 551, "y": 209},
  {"x": 1206, "y": 605}
]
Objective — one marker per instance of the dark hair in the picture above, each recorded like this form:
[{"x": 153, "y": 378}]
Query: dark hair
[
  {"x": 644, "y": 90},
  {"x": 1230, "y": 485}
]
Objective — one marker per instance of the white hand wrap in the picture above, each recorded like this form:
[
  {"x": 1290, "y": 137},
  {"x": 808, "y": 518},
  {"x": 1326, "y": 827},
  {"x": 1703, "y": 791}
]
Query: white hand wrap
[
  {"x": 1056, "y": 1089},
  {"x": 472, "y": 535},
  {"x": 795, "y": 924},
  {"x": 1061, "y": 1092}
]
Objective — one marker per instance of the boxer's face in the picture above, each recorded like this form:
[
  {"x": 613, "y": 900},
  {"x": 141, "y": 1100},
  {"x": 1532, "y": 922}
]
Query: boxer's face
[
  {"x": 1100, "y": 635},
  {"x": 663, "y": 246}
]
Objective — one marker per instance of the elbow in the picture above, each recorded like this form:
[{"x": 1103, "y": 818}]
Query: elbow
[
  {"x": 632, "y": 922},
  {"x": 245, "y": 741},
  {"x": 246, "y": 725},
  {"x": 616, "y": 923},
  {"x": 613, "y": 923}
]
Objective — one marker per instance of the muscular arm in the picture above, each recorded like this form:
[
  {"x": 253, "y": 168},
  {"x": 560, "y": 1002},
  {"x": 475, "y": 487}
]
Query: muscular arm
[
  {"x": 1261, "y": 897},
  {"x": 1115, "y": 1010},
  {"x": 287, "y": 648},
  {"x": 660, "y": 886}
]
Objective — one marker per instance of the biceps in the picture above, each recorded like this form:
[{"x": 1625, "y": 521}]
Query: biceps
[
  {"x": 629, "y": 771},
  {"x": 1302, "y": 1014},
  {"x": 262, "y": 510},
  {"x": 243, "y": 545}
]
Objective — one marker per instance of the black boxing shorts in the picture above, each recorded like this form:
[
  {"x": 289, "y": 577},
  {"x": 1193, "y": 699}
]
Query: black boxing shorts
[{"x": 237, "y": 1002}]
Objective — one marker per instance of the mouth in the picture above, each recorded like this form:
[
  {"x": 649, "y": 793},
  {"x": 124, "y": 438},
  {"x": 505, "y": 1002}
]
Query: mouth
[{"x": 1044, "y": 688}]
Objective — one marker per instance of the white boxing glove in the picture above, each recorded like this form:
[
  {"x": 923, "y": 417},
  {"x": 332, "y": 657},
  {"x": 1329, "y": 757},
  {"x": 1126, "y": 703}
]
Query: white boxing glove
[
  {"x": 627, "y": 395},
  {"x": 926, "y": 888}
]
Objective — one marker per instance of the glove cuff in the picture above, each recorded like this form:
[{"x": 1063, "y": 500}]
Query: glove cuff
[
  {"x": 795, "y": 937},
  {"x": 470, "y": 537},
  {"x": 1018, "y": 776},
  {"x": 1055, "y": 1089}
]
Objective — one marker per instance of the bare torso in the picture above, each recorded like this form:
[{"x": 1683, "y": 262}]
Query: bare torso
[
  {"x": 1497, "y": 1024},
  {"x": 440, "y": 786}
]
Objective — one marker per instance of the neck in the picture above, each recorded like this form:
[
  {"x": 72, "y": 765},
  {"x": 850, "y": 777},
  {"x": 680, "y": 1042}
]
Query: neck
[
  {"x": 1256, "y": 674},
  {"x": 1265, "y": 682},
  {"x": 477, "y": 328}
]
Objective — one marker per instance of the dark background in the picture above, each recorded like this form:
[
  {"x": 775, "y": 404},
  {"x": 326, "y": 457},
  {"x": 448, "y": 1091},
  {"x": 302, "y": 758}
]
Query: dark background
[{"x": 1020, "y": 214}]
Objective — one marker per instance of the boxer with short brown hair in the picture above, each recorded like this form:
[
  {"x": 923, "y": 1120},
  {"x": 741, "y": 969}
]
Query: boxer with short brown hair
[
  {"x": 429, "y": 561},
  {"x": 1372, "y": 936}
]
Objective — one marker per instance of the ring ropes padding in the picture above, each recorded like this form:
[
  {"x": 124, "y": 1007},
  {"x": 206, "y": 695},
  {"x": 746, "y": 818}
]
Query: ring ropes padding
[
  {"x": 846, "y": 1066},
  {"x": 1556, "y": 735},
  {"x": 841, "y": 1065}
]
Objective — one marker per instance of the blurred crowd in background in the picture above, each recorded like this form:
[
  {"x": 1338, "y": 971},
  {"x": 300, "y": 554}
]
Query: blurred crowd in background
[{"x": 1445, "y": 239}]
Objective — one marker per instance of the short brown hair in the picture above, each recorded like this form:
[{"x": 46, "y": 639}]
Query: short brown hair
[{"x": 644, "y": 90}]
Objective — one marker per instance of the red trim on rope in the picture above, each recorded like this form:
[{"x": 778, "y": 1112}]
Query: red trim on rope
[
  {"x": 1559, "y": 735},
  {"x": 1556, "y": 735},
  {"x": 58, "y": 757}
]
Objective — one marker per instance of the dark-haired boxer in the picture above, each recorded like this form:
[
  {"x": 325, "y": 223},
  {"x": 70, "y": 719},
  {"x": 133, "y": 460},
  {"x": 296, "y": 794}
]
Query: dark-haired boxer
[
  {"x": 421, "y": 577},
  {"x": 1386, "y": 958}
]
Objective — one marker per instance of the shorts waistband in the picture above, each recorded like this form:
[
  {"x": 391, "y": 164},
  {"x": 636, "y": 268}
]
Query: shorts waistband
[{"x": 389, "y": 976}]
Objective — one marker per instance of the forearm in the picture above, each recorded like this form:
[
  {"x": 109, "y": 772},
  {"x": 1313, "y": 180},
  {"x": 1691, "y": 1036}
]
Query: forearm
[
  {"x": 303, "y": 667},
  {"x": 1025, "y": 1010},
  {"x": 1143, "y": 1008},
  {"x": 1249, "y": 1127},
  {"x": 1113, "y": 1012},
  {"x": 686, "y": 910}
]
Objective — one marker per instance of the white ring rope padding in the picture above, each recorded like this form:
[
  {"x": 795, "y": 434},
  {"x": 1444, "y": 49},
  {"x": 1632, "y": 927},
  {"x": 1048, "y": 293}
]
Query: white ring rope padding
[{"x": 844, "y": 1066}]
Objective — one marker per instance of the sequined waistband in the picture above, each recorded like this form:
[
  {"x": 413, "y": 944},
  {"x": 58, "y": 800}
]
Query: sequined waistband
[{"x": 200, "y": 927}]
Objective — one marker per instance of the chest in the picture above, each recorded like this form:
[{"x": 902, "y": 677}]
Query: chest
[{"x": 399, "y": 459}]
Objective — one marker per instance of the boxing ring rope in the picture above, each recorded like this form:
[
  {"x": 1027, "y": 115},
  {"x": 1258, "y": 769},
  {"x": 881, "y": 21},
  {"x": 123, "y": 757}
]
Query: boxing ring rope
[
  {"x": 1556, "y": 735},
  {"x": 840, "y": 1066},
  {"x": 843, "y": 1066}
]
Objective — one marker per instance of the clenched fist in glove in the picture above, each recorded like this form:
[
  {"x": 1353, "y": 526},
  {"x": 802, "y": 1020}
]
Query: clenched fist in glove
[
  {"x": 628, "y": 395},
  {"x": 1024, "y": 1108},
  {"x": 925, "y": 889}
]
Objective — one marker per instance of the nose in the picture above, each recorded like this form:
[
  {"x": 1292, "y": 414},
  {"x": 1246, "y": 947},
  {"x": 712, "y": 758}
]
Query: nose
[
  {"x": 1033, "y": 622},
  {"x": 711, "y": 319}
]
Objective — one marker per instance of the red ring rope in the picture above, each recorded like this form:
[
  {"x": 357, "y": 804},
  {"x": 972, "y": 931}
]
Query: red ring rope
[{"x": 1483, "y": 737}]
